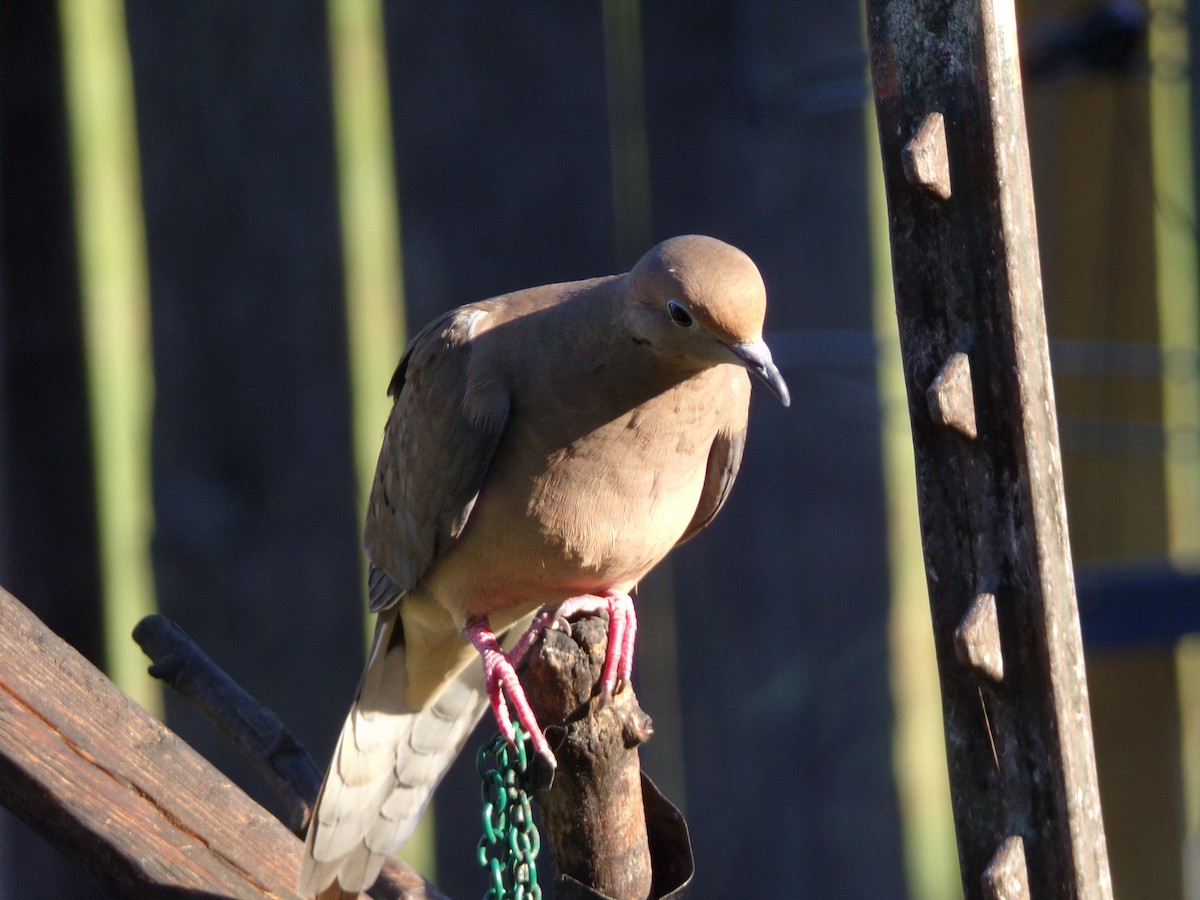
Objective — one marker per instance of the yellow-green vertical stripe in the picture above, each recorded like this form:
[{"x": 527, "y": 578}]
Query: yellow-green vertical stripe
[
  {"x": 371, "y": 255},
  {"x": 1179, "y": 338},
  {"x": 116, "y": 321},
  {"x": 919, "y": 750},
  {"x": 370, "y": 220},
  {"x": 1175, "y": 249},
  {"x": 1187, "y": 668},
  {"x": 628, "y": 147}
]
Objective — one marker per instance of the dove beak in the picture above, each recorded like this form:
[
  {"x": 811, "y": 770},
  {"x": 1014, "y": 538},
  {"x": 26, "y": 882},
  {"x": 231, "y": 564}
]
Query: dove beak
[{"x": 756, "y": 357}]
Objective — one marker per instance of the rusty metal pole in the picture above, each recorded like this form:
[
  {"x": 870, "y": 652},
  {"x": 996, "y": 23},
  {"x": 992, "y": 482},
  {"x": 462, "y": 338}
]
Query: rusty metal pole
[{"x": 989, "y": 474}]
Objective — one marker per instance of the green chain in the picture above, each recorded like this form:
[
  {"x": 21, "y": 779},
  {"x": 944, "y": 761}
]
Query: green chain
[{"x": 509, "y": 847}]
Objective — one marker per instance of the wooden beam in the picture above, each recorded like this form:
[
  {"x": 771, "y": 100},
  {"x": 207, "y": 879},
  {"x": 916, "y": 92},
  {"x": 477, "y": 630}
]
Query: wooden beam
[
  {"x": 124, "y": 797},
  {"x": 260, "y": 738},
  {"x": 114, "y": 789},
  {"x": 989, "y": 476}
]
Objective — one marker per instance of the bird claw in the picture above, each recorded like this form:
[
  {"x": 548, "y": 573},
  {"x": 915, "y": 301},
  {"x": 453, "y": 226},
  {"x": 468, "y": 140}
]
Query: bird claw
[
  {"x": 622, "y": 630},
  {"x": 622, "y": 666},
  {"x": 500, "y": 678},
  {"x": 499, "y": 668}
]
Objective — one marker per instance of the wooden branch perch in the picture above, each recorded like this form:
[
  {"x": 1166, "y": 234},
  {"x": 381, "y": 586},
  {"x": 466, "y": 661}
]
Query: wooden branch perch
[
  {"x": 593, "y": 817},
  {"x": 256, "y": 732},
  {"x": 609, "y": 830},
  {"x": 115, "y": 790},
  {"x": 259, "y": 736},
  {"x": 121, "y": 795}
]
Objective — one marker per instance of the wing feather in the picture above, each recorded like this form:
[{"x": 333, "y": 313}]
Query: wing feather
[
  {"x": 724, "y": 460},
  {"x": 446, "y": 422}
]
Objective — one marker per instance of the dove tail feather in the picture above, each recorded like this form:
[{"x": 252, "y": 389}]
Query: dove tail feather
[{"x": 388, "y": 760}]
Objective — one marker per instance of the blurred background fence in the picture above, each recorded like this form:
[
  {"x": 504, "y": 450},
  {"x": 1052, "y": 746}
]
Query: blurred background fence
[{"x": 219, "y": 220}]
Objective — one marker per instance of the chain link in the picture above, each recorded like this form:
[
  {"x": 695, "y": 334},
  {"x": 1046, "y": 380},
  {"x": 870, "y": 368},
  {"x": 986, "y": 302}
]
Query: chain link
[{"x": 509, "y": 847}]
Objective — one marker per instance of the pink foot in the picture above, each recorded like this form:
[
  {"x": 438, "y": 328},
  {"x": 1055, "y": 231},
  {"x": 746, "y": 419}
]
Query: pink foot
[
  {"x": 499, "y": 672},
  {"x": 500, "y": 678},
  {"x": 622, "y": 631}
]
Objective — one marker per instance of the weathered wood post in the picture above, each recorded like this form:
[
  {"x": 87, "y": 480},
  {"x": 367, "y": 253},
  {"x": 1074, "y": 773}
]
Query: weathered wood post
[{"x": 989, "y": 476}]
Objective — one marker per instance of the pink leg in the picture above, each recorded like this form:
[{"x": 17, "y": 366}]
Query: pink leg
[
  {"x": 624, "y": 667},
  {"x": 500, "y": 678}
]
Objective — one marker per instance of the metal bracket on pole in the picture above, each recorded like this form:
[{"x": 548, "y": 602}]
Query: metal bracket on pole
[{"x": 989, "y": 473}]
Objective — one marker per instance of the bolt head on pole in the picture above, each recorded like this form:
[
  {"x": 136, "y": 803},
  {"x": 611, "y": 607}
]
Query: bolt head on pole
[
  {"x": 926, "y": 159},
  {"x": 951, "y": 397},
  {"x": 977, "y": 638},
  {"x": 1006, "y": 877}
]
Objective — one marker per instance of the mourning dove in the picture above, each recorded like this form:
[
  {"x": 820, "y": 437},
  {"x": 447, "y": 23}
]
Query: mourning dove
[{"x": 547, "y": 445}]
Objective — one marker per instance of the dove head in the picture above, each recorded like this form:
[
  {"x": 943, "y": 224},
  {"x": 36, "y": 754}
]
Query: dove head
[{"x": 702, "y": 301}]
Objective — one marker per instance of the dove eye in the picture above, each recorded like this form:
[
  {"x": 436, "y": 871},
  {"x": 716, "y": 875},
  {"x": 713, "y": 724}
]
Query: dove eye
[{"x": 679, "y": 314}]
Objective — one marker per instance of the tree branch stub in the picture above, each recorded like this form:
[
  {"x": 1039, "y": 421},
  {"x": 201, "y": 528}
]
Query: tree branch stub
[{"x": 593, "y": 813}]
